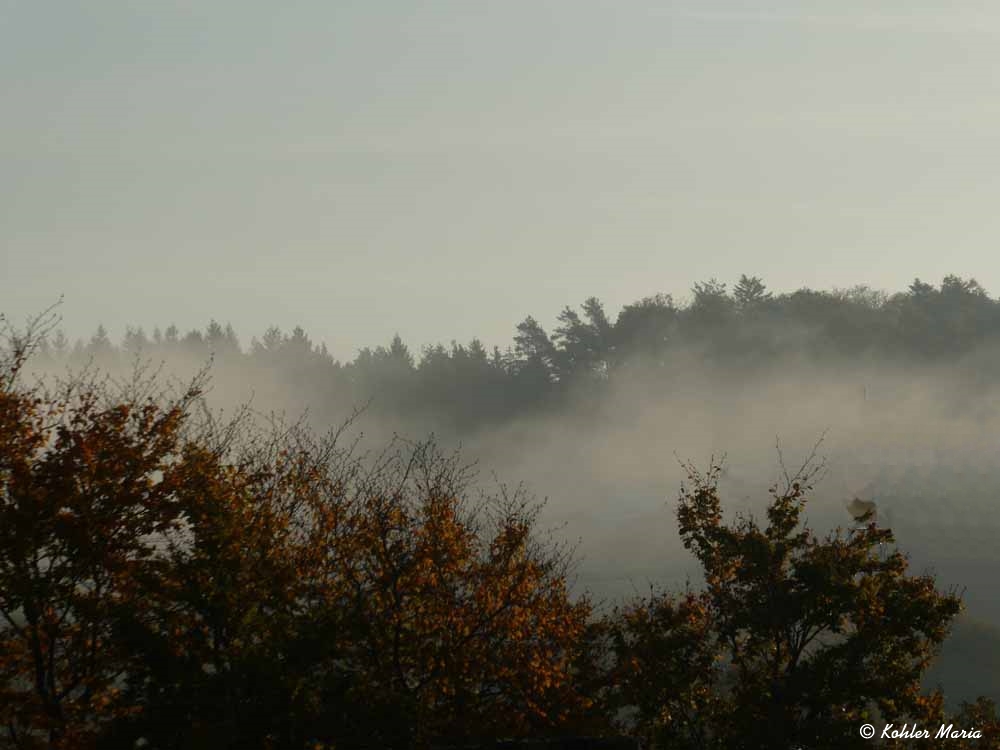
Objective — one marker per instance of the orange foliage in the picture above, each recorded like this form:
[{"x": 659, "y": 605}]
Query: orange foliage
[{"x": 202, "y": 585}]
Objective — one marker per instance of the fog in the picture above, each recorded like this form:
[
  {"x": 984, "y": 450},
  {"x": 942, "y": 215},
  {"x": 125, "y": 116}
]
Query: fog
[
  {"x": 612, "y": 474},
  {"x": 599, "y": 420},
  {"x": 440, "y": 170}
]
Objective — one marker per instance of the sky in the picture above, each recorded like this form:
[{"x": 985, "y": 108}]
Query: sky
[{"x": 444, "y": 168}]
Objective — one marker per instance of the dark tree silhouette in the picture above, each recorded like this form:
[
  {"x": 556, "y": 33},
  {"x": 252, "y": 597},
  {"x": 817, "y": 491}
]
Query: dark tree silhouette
[
  {"x": 175, "y": 583},
  {"x": 795, "y": 641},
  {"x": 460, "y": 390}
]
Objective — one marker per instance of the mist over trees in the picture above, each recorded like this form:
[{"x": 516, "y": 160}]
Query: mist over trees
[
  {"x": 170, "y": 580},
  {"x": 207, "y": 602},
  {"x": 464, "y": 387}
]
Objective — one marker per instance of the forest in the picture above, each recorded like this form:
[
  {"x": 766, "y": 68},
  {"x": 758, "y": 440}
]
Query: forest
[
  {"x": 463, "y": 387},
  {"x": 187, "y": 561}
]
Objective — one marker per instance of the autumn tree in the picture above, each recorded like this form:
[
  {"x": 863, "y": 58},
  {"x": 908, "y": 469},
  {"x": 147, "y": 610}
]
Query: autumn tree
[
  {"x": 981, "y": 715},
  {"x": 84, "y": 490},
  {"x": 353, "y": 603},
  {"x": 219, "y": 648},
  {"x": 795, "y": 640},
  {"x": 464, "y": 624},
  {"x": 177, "y": 581},
  {"x": 666, "y": 655}
]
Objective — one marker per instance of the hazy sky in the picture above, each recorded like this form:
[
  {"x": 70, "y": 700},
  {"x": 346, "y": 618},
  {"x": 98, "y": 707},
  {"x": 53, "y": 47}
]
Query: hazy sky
[{"x": 442, "y": 169}]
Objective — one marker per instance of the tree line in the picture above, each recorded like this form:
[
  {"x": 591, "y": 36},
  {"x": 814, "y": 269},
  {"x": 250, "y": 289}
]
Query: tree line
[
  {"x": 468, "y": 386},
  {"x": 172, "y": 580}
]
